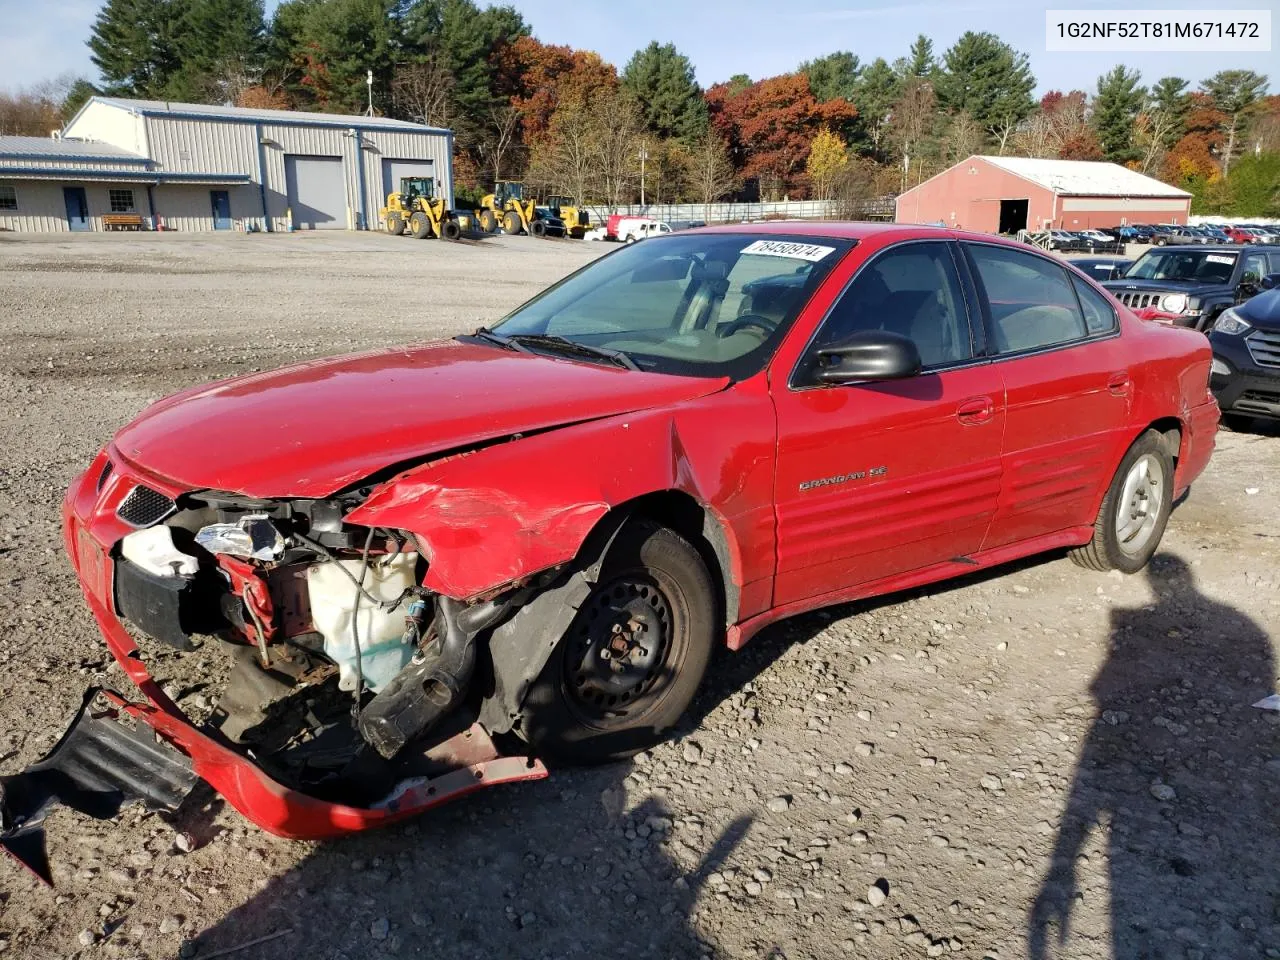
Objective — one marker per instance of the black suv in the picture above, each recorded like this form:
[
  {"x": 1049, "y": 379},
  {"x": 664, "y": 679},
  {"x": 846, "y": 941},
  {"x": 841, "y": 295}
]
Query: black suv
[
  {"x": 1189, "y": 286},
  {"x": 1246, "y": 357}
]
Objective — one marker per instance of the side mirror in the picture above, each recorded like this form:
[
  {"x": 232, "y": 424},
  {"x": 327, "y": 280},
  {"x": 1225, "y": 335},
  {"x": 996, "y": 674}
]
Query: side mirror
[
  {"x": 867, "y": 355},
  {"x": 1270, "y": 281}
]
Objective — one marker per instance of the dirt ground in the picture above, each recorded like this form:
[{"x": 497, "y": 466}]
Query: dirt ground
[{"x": 973, "y": 770}]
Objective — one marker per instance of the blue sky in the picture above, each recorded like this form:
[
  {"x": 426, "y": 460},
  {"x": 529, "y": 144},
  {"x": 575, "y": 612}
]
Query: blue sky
[{"x": 43, "y": 38}]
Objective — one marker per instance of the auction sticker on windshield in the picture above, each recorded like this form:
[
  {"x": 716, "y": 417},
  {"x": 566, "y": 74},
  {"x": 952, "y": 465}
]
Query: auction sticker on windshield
[
  {"x": 794, "y": 251},
  {"x": 1220, "y": 258}
]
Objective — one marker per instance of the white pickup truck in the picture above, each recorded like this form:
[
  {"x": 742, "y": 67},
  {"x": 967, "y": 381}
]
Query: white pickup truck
[{"x": 628, "y": 229}]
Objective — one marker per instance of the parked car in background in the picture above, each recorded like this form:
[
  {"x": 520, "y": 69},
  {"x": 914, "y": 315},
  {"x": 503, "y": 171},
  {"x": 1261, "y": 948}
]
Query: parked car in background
[
  {"x": 554, "y": 523},
  {"x": 1161, "y": 234},
  {"x": 1246, "y": 357},
  {"x": 1190, "y": 286},
  {"x": 1101, "y": 268}
]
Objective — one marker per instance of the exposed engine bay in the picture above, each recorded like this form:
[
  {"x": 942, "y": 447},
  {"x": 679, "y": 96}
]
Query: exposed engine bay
[{"x": 340, "y": 658}]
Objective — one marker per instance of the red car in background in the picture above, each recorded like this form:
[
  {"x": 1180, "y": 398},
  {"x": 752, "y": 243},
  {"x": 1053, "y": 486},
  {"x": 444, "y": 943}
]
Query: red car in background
[
  {"x": 545, "y": 528},
  {"x": 1239, "y": 234}
]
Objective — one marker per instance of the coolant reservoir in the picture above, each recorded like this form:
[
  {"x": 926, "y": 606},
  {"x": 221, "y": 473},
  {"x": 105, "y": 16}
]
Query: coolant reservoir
[{"x": 333, "y": 595}]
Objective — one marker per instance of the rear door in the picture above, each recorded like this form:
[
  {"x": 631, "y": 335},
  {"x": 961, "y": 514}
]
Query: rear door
[
  {"x": 1068, "y": 391},
  {"x": 876, "y": 479}
]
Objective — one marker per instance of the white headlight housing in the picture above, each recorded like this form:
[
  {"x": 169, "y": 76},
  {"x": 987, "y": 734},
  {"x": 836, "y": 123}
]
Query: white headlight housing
[
  {"x": 1230, "y": 321},
  {"x": 1220, "y": 368},
  {"x": 1173, "y": 303}
]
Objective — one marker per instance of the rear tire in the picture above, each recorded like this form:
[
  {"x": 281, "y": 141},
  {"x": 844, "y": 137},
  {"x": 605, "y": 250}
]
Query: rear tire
[
  {"x": 1134, "y": 511},
  {"x": 420, "y": 226},
  {"x": 450, "y": 230},
  {"x": 633, "y": 657},
  {"x": 511, "y": 223},
  {"x": 395, "y": 224}
]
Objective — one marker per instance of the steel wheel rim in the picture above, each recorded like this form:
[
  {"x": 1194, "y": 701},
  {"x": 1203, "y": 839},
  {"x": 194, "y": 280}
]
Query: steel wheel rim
[
  {"x": 1140, "y": 504},
  {"x": 619, "y": 651}
]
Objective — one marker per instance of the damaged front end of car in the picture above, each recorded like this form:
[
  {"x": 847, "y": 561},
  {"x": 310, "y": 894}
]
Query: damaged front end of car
[{"x": 352, "y": 694}]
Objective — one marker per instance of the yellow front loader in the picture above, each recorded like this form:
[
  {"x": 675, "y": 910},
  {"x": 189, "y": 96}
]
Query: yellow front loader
[
  {"x": 415, "y": 208},
  {"x": 576, "y": 219},
  {"x": 507, "y": 208}
]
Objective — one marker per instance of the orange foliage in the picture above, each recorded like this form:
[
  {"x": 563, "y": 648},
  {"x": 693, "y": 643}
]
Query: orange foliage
[
  {"x": 1082, "y": 146},
  {"x": 260, "y": 98},
  {"x": 1195, "y": 155},
  {"x": 770, "y": 125},
  {"x": 540, "y": 76}
]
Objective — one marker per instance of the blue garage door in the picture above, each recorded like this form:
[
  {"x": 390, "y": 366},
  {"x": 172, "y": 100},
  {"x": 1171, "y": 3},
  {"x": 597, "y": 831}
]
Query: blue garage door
[{"x": 317, "y": 192}]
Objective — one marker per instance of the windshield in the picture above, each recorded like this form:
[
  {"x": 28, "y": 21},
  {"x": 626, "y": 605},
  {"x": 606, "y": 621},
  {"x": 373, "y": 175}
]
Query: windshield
[
  {"x": 709, "y": 305},
  {"x": 1195, "y": 266}
]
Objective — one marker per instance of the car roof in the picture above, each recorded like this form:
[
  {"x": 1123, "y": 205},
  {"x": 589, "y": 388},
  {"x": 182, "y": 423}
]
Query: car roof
[{"x": 856, "y": 230}]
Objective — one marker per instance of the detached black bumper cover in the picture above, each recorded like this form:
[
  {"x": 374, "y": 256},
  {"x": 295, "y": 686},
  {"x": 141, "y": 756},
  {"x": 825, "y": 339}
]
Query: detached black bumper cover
[{"x": 97, "y": 767}]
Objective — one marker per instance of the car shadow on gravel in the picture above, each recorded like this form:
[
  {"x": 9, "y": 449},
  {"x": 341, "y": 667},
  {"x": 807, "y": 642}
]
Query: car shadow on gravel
[
  {"x": 559, "y": 868},
  {"x": 1178, "y": 773}
]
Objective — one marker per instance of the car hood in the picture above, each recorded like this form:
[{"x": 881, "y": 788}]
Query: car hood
[
  {"x": 1262, "y": 311},
  {"x": 313, "y": 429},
  {"x": 1171, "y": 286}
]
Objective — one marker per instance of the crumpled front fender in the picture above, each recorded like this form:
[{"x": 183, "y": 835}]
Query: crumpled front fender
[{"x": 497, "y": 516}]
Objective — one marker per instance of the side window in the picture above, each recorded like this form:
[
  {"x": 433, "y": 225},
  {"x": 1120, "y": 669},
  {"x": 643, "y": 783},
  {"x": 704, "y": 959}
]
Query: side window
[
  {"x": 1255, "y": 263},
  {"x": 1098, "y": 315},
  {"x": 913, "y": 290},
  {"x": 1032, "y": 302}
]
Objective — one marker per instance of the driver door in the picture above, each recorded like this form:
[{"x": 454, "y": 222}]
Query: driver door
[{"x": 878, "y": 479}]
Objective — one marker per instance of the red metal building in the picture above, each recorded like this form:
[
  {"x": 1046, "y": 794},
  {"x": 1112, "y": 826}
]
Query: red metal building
[{"x": 1008, "y": 194}]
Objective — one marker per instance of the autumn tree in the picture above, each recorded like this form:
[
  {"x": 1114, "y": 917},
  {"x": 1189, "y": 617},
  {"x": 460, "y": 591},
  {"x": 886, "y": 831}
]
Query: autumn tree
[
  {"x": 661, "y": 81},
  {"x": 770, "y": 125},
  {"x": 1060, "y": 119},
  {"x": 538, "y": 77},
  {"x": 422, "y": 91},
  {"x": 711, "y": 174},
  {"x": 828, "y": 156},
  {"x": 1235, "y": 93},
  {"x": 986, "y": 78},
  {"x": 1193, "y": 157},
  {"x": 27, "y": 113},
  {"x": 1115, "y": 108}
]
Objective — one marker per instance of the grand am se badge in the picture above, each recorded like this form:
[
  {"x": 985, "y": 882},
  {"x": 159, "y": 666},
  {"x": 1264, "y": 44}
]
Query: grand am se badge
[{"x": 844, "y": 478}]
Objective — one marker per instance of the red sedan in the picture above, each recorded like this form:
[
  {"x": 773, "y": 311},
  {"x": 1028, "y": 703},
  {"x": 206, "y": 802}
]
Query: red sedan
[{"x": 545, "y": 528}]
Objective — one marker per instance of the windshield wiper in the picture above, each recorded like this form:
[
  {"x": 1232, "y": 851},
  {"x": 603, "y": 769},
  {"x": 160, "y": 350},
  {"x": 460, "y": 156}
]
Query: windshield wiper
[
  {"x": 501, "y": 340},
  {"x": 558, "y": 344}
]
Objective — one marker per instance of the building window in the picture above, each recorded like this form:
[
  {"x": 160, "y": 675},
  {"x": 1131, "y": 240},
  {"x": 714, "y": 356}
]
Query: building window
[
  {"x": 121, "y": 201},
  {"x": 8, "y": 197}
]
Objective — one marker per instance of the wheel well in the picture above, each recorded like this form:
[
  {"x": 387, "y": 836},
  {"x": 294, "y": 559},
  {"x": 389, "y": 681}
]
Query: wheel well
[
  {"x": 680, "y": 512},
  {"x": 1170, "y": 430}
]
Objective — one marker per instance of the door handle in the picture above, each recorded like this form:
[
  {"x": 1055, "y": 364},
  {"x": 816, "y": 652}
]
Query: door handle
[
  {"x": 975, "y": 410},
  {"x": 1119, "y": 384}
]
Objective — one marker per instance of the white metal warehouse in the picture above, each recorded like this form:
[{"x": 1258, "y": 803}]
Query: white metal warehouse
[{"x": 183, "y": 166}]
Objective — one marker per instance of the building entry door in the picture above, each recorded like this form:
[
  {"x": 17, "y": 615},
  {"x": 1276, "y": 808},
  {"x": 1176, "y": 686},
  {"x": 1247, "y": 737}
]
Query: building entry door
[
  {"x": 77, "y": 208},
  {"x": 221, "y": 209},
  {"x": 1013, "y": 215}
]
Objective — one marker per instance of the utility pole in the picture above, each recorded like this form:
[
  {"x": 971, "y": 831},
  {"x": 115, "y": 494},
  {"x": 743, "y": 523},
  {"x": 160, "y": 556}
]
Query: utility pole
[
  {"x": 368, "y": 82},
  {"x": 644, "y": 155}
]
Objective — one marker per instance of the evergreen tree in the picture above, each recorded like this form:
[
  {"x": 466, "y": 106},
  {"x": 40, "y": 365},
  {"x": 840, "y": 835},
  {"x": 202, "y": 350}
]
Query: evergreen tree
[
  {"x": 661, "y": 80},
  {"x": 833, "y": 76},
  {"x": 1115, "y": 109},
  {"x": 920, "y": 62},
  {"x": 987, "y": 79},
  {"x": 878, "y": 89},
  {"x": 1169, "y": 97},
  {"x": 339, "y": 41},
  {"x": 223, "y": 48},
  {"x": 1236, "y": 93},
  {"x": 135, "y": 44},
  {"x": 738, "y": 83},
  {"x": 77, "y": 96}
]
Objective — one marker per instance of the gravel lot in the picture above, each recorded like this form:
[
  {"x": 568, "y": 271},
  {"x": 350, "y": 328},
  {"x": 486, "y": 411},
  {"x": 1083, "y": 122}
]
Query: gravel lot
[{"x": 950, "y": 772}]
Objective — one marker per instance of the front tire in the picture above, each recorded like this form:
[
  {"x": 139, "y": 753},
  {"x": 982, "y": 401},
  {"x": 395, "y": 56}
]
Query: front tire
[
  {"x": 511, "y": 223},
  {"x": 633, "y": 657},
  {"x": 1134, "y": 511},
  {"x": 420, "y": 226}
]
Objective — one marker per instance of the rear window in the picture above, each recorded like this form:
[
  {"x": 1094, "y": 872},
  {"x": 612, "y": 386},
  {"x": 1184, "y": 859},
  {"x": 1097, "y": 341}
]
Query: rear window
[{"x": 1033, "y": 304}]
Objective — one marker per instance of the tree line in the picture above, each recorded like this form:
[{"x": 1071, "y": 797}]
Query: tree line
[{"x": 570, "y": 123}]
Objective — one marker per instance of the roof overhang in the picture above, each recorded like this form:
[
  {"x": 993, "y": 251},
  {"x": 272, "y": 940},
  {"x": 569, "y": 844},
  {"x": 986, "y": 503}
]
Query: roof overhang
[
  {"x": 217, "y": 178},
  {"x": 77, "y": 176}
]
